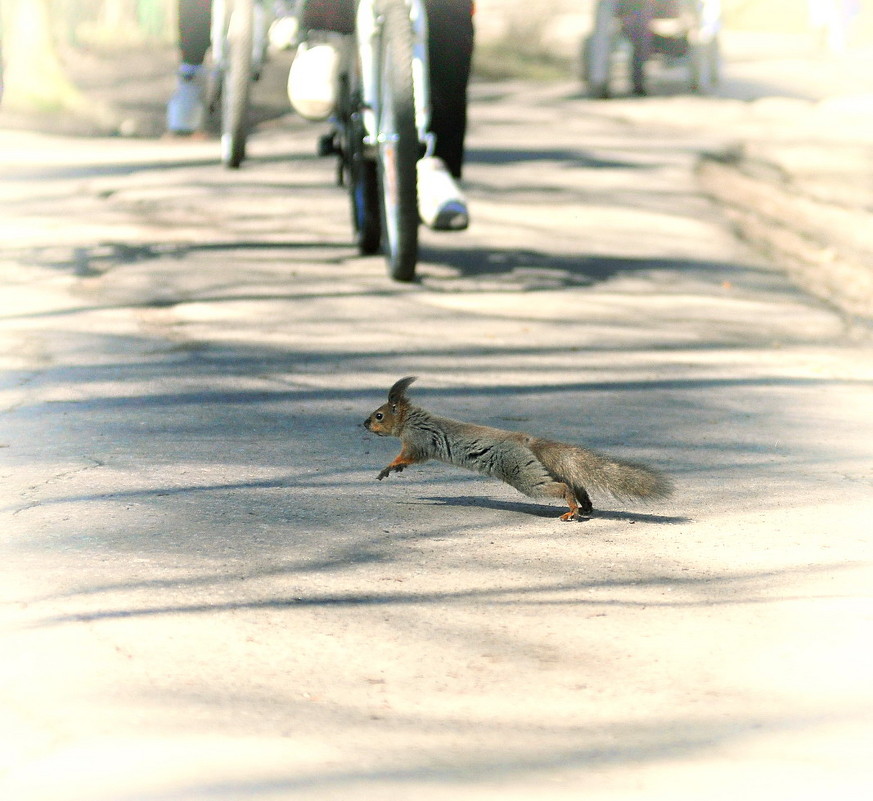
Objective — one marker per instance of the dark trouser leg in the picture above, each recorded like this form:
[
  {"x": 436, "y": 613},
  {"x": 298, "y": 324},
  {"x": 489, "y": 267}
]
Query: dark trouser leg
[
  {"x": 637, "y": 27},
  {"x": 450, "y": 51},
  {"x": 194, "y": 21}
]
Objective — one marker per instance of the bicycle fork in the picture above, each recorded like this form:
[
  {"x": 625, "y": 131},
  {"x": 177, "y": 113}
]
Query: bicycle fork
[
  {"x": 221, "y": 18},
  {"x": 369, "y": 31}
]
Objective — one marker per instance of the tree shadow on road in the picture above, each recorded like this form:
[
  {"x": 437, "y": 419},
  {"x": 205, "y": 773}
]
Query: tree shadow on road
[
  {"x": 534, "y": 269},
  {"x": 691, "y": 591},
  {"x": 526, "y": 756},
  {"x": 570, "y": 158}
]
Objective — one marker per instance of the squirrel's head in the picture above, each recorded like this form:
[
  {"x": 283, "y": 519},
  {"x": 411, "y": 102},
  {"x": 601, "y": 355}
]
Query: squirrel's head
[{"x": 389, "y": 416}]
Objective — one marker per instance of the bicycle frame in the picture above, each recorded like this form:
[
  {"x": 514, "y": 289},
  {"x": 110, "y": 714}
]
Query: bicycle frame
[
  {"x": 368, "y": 27},
  {"x": 221, "y": 19}
]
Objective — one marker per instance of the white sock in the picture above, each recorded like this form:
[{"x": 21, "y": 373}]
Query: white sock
[{"x": 189, "y": 71}]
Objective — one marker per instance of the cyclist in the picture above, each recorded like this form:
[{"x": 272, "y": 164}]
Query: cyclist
[
  {"x": 185, "y": 110},
  {"x": 450, "y": 52},
  {"x": 450, "y": 49}
]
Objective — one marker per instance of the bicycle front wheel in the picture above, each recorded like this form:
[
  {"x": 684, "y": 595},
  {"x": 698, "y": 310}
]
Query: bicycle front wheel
[
  {"x": 398, "y": 145},
  {"x": 236, "y": 83}
]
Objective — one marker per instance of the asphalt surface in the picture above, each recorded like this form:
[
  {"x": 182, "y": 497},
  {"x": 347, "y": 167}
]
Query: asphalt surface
[
  {"x": 797, "y": 180},
  {"x": 205, "y": 593},
  {"x": 790, "y": 160}
]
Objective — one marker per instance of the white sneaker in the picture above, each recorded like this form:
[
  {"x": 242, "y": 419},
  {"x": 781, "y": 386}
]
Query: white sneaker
[
  {"x": 185, "y": 110},
  {"x": 313, "y": 80},
  {"x": 441, "y": 203},
  {"x": 283, "y": 33}
]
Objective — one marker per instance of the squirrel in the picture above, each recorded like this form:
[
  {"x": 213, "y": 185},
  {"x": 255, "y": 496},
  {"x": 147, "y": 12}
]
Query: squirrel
[{"x": 539, "y": 468}]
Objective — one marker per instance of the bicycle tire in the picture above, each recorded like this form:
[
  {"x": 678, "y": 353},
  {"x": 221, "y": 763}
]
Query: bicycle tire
[
  {"x": 364, "y": 192},
  {"x": 597, "y": 51},
  {"x": 359, "y": 174},
  {"x": 236, "y": 83},
  {"x": 398, "y": 145},
  {"x": 703, "y": 65}
]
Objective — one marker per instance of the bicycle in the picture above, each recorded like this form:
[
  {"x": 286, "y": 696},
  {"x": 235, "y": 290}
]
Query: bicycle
[
  {"x": 394, "y": 107},
  {"x": 633, "y": 31},
  {"x": 382, "y": 115},
  {"x": 239, "y": 47}
]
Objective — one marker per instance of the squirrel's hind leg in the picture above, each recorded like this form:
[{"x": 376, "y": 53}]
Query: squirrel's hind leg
[
  {"x": 575, "y": 497},
  {"x": 584, "y": 500}
]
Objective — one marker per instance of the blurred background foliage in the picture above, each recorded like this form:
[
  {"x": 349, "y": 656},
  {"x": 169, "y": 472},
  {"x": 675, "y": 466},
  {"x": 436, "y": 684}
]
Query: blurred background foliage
[
  {"x": 515, "y": 38},
  {"x": 514, "y": 41},
  {"x": 126, "y": 22},
  {"x": 87, "y": 23}
]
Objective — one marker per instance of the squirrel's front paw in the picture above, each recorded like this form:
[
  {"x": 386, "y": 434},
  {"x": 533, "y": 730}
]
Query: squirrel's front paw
[{"x": 387, "y": 471}]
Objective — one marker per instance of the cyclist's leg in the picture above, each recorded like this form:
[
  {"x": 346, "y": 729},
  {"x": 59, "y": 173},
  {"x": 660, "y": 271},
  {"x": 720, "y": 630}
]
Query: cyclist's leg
[
  {"x": 185, "y": 109},
  {"x": 636, "y": 21},
  {"x": 450, "y": 29},
  {"x": 441, "y": 202},
  {"x": 194, "y": 19}
]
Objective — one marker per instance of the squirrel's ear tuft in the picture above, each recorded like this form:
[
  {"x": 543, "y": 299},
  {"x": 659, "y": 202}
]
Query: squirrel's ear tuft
[{"x": 397, "y": 393}]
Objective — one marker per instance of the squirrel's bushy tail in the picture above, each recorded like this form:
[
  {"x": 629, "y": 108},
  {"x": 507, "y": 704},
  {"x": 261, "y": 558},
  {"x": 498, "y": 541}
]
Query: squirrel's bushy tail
[{"x": 582, "y": 468}]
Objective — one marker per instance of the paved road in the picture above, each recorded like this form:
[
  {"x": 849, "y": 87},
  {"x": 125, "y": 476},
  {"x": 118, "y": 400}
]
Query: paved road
[
  {"x": 789, "y": 158},
  {"x": 204, "y": 592}
]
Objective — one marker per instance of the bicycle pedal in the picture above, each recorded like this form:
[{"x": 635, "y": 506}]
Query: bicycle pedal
[{"x": 327, "y": 145}]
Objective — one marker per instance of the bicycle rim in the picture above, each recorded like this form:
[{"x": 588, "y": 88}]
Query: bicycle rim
[{"x": 398, "y": 142}]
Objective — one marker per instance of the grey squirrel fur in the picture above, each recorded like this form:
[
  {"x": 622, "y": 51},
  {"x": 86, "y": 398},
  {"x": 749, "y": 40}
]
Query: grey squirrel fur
[{"x": 539, "y": 468}]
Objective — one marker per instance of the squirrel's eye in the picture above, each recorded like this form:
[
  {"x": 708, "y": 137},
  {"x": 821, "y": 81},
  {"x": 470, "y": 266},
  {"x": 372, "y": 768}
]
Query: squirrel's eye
[{"x": 379, "y": 415}]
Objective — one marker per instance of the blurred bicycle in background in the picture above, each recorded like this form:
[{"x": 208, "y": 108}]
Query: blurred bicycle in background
[{"x": 629, "y": 33}]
